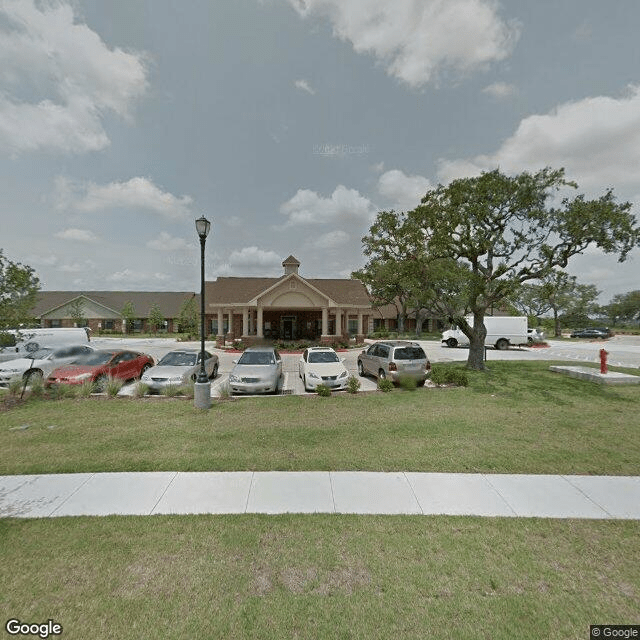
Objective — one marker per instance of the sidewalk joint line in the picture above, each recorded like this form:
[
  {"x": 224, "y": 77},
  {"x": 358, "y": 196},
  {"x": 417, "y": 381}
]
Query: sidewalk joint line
[
  {"x": 246, "y": 504},
  {"x": 415, "y": 497},
  {"x": 486, "y": 477},
  {"x": 73, "y": 493},
  {"x": 175, "y": 475},
  {"x": 587, "y": 496}
]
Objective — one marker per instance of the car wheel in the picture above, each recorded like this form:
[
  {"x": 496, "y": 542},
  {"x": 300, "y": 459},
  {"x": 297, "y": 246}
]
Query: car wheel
[
  {"x": 452, "y": 343},
  {"x": 101, "y": 383},
  {"x": 304, "y": 382},
  {"x": 360, "y": 369},
  {"x": 33, "y": 376},
  {"x": 214, "y": 373},
  {"x": 502, "y": 344},
  {"x": 144, "y": 370},
  {"x": 382, "y": 375}
]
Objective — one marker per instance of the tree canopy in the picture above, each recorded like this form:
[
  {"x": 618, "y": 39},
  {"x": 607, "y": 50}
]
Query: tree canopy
[
  {"x": 19, "y": 286},
  {"x": 499, "y": 231}
]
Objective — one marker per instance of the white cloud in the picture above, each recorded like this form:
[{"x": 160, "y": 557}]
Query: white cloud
[
  {"x": 402, "y": 191},
  {"x": 303, "y": 85},
  {"x": 330, "y": 240},
  {"x": 68, "y": 76},
  {"x": 166, "y": 242},
  {"x": 307, "y": 207},
  {"x": 419, "y": 39},
  {"x": 597, "y": 141},
  {"x": 500, "y": 90},
  {"x": 79, "y": 235},
  {"x": 254, "y": 257},
  {"x": 78, "y": 267},
  {"x": 136, "y": 193}
]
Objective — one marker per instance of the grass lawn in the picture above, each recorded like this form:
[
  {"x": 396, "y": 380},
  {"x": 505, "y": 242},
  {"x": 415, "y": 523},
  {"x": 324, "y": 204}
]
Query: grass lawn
[
  {"x": 320, "y": 577},
  {"x": 518, "y": 418},
  {"x": 329, "y": 576}
]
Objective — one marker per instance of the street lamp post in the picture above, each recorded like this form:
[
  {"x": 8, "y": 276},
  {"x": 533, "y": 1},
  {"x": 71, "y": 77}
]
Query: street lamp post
[{"x": 202, "y": 387}]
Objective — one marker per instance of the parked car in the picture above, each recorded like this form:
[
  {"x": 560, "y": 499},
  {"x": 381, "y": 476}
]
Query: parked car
[
  {"x": 258, "y": 370},
  {"x": 178, "y": 367},
  {"x": 321, "y": 365},
  {"x": 600, "y": 334},
  {"x": 535, "y": 335},
  {"x": 393, "y": 359},
  {"x": 41, "y": 363},
  {"x": 101, "y": 365}
]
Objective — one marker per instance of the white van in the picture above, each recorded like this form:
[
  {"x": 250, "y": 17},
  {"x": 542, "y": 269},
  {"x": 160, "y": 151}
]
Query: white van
[{"x": 27, "y": 341}]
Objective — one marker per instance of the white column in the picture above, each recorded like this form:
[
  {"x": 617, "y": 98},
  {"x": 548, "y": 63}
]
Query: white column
[
  {"x": 259, "y": 331},
  {"x": 360, "y": 331},
  {"x": 220, "y": 322},
  {"x": 325, "y": 321},
  {"x": 245, "y": 322}
]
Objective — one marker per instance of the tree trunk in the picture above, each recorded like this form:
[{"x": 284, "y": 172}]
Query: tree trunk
[
  {"x": 476, "y": 337},
  {"x": 556, "y": 324}
]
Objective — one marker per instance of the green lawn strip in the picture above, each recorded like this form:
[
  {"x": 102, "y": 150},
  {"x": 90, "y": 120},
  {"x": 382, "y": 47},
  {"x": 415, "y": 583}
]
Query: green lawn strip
[
  {"x": 517, "y": 418},
  {"x": 292, "y": 576}
]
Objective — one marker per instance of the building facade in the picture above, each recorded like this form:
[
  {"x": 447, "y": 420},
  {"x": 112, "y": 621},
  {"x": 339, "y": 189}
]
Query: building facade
[{"x": 287, "y": 308}]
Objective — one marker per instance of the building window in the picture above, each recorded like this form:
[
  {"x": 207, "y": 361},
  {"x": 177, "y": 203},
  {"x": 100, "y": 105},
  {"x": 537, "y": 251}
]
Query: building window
[
  {"x": 353, "y": 326},
  {"x": 55, "y": 324},
  {"x": 108, "y": 325}
]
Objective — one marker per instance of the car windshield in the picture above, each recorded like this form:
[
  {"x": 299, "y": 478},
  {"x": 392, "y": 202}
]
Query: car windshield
[
  {"x": 178, "y": 359},
  {"x": 323, "y": 356},
  {"x": 40, "y": 354},
  {"x": 257, "y": 357},
  {"x": 99, "y": 357},
  {"x": 409, "y": 353}
]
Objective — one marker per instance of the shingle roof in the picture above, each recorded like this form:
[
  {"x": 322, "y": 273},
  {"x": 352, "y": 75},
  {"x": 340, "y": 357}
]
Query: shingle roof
[
  {"x": 232, "y": 290},
  {"x": 169, "y": 302}
]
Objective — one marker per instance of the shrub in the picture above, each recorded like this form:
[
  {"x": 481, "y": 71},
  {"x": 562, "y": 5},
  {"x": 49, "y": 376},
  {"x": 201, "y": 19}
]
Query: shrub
[
  {"x": 323, "y": 390},
  {"x": 225, "y": 391},
  {"x": 171, "y": 391},
  {"x": 384, "y": 384},
  {"x": 37, "y": 387},
  {"x": 15, "y": 386},
  {"x": 449, "y": 375},
  {"x": 113, "y": 386},
  {"x": 86, "y": 388},
  {"x": 60, "y": 391},
  {"x": 239, "y": 345},
  {"x": 408, "y": 383},
  {"x": 141, "y": 390},
  {"x": 353, "y": 384},
  {"x": 187, "y": 389}
]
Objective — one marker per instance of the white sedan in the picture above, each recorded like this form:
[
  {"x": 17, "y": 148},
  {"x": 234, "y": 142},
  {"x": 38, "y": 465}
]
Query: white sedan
[
  {"x": 321, "y": 365},
  {"x": 42, "y": 362}
]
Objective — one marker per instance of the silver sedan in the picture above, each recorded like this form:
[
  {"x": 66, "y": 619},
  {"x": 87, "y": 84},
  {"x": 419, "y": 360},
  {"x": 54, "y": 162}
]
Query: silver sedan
[{"x": 178, "y": 367}]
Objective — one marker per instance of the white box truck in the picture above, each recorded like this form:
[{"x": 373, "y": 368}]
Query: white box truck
[
  {"x": 19, "y": 343},
  {"x": 502, "y": 332}
]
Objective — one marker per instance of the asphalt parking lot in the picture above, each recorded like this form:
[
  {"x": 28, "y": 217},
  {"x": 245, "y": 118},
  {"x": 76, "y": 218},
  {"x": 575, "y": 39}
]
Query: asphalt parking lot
[{"x": 623, "y": 351}]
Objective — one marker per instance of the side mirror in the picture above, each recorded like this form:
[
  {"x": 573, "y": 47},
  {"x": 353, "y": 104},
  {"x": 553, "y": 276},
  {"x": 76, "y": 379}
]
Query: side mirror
[
  {"x": 234, "y": 362},
  {"x": 342, "y": 359}
]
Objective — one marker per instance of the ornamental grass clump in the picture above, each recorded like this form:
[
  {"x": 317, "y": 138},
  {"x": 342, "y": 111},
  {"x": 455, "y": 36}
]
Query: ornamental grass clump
[
  {"x": 113, "y": 386},
  {"x": 86, "y": 388},
  {"x": 384, "y": 384}
]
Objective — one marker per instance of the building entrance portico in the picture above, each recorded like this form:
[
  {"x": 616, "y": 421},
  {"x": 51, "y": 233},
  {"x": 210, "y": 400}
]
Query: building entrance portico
[{"x": 288, "y": 308}]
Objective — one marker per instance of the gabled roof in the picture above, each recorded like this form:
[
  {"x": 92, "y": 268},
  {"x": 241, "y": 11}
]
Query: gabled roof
[
  {"x": 291, "y": 260},
  {"x": 235, "y": 291},
  {"x": 169, "y": 302}
]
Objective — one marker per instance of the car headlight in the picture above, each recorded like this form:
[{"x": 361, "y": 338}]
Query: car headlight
[
  {"x": 11, "y": 370},
  {"x": 313, "y": 375},
  {"x": 343, "y": 374},
  {"x": 233, "y": 378},
  {"x": 145, "y": 376},
  {"x": 82, "y": 376}
]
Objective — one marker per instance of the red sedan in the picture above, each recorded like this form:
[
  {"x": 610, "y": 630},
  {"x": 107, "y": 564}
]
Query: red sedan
[{"x": 101, "y": 365}]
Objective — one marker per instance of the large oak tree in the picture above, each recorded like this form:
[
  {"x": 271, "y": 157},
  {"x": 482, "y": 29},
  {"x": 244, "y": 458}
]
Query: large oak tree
[{"x": 507, "y": 230}]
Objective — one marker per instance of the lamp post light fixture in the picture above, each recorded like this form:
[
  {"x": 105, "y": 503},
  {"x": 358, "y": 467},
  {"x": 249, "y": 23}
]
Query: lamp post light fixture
[{"x": 202, "y": 387}]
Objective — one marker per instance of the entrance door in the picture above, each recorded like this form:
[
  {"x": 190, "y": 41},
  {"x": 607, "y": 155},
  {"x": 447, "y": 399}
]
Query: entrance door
[{"x": 287, "y": 328}]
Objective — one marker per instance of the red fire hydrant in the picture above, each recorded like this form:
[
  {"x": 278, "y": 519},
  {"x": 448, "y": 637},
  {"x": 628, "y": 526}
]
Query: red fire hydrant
[{"x": 603, "y": 361}]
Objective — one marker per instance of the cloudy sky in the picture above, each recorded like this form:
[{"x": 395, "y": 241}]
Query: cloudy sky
[{"x": 290, "y": 123}]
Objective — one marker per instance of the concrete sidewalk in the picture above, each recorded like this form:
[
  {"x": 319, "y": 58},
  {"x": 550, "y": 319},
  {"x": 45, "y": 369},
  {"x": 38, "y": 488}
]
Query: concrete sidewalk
[{"x": 148, "y": 493}]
